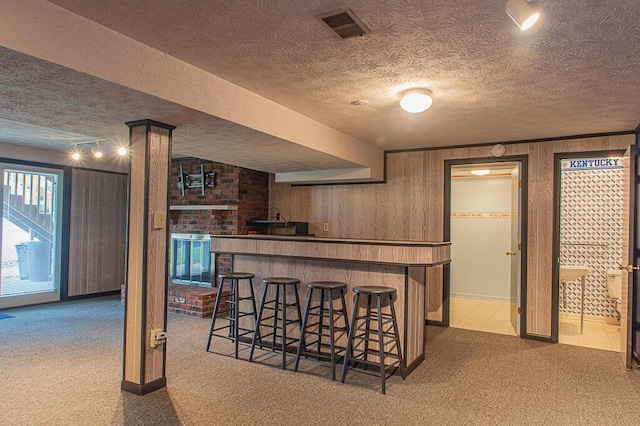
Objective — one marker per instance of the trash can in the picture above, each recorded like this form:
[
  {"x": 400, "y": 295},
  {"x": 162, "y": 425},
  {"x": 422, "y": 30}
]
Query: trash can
[
  {"x": 21, "y": 249},
  {"x": 38, "y": 260}
]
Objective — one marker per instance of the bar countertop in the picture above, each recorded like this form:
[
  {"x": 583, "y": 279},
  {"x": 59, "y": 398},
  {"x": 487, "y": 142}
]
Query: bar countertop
[
  {"x": 334, "y": 240},
  {"x": 407, "y": 253}
]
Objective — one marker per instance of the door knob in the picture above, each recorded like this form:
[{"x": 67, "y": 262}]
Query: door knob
[
  {"x": 511, "y": 253},
  {"x": 629, "y": 268}
]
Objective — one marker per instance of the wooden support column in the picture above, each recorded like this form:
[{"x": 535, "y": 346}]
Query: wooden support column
[{"x": 146, "y": 287}]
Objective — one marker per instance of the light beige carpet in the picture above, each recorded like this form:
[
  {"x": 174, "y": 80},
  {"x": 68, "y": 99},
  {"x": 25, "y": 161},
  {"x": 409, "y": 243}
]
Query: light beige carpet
[{"x": 61, "y": 364}]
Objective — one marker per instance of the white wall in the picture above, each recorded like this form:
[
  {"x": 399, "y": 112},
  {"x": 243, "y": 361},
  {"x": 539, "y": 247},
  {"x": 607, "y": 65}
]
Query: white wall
[{"x": 480, "y": 267}]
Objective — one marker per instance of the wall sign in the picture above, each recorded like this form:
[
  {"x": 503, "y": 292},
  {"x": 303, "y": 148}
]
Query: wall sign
[
  {"x": 483, "y": 215},
  {"x": 591, "y": 164}
]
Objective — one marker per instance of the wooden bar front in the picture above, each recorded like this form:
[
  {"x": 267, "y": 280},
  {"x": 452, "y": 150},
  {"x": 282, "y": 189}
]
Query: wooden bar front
[{"x": 398, "y": 264}]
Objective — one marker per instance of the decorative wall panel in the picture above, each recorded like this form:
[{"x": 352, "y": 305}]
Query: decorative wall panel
[{"x": 591, "y": 234}]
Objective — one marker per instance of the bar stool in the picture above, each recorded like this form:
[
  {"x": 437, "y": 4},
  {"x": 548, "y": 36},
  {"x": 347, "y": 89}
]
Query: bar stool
[
  {"x": 233, "y": 300},
  {"x": 329, "y": 292},
  {"x": 376, "y": 299},
  {"x": 280, "y": 324}
]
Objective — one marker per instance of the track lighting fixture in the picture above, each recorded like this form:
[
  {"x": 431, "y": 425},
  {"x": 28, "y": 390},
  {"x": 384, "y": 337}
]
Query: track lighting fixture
[
  {"x": 95, "y": 148},
  {"x": 97, "y": 152},
  {"x": 522, "y": 13}
]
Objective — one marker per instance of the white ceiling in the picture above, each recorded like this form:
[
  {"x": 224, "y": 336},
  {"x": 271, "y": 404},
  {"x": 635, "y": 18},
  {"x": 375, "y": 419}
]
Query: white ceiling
[{"x": 575, "y": 72}]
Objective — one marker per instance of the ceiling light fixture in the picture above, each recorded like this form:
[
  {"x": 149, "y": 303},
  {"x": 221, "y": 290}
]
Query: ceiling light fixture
[
  {"x": 522, "y": 13},
  {"x": 97, "y": 152},
  {"x": 481, "y": 172},
  {"x": 416, "y": 100},
  {"x": 79, "y": 149}
]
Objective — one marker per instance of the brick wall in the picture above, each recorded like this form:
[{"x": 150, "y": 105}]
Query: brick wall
[
  {"x": 194, "y": 301},
  {"x": 247, "y": 189},
  {"x": 253, "y": 196}
]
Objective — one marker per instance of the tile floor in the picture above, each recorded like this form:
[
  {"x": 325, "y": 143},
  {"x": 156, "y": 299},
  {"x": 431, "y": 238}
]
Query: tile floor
[
  {"x": 597, "y": 334},
  {"x": 481, "y": 315},
  {"x": 493, "y": 317}
]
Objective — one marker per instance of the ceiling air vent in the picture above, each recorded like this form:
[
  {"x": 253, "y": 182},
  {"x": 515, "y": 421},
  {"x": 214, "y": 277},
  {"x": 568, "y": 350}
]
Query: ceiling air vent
[{"x": 344, "y": 23}]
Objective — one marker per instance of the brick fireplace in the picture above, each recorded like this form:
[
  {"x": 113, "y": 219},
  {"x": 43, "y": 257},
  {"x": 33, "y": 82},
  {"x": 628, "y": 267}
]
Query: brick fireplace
[{"x": 244, "y": 189}]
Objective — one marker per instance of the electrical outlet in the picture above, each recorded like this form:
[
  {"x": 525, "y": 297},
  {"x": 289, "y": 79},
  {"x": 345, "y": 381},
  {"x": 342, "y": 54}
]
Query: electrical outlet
[
  {"x": 158, "y": 337},
  {"x": 325, "y": 227}
]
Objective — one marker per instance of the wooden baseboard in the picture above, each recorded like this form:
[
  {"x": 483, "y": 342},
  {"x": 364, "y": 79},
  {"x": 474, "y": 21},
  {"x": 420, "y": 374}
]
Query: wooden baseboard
[{"x": 144, "y": 389}]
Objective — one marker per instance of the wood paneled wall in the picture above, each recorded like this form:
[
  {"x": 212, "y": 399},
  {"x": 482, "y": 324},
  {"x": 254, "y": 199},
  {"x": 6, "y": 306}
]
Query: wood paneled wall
[
  {"x": 97, "y": 246},
  {"x": 410, "y": 205}
]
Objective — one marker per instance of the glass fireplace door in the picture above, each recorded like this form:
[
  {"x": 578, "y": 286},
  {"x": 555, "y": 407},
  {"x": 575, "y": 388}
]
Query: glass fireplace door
[{"x": 192, "y": 263}]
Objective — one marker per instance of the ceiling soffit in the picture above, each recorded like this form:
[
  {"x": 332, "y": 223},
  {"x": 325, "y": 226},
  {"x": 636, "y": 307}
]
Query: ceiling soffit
[
  {"x": 66, "y": 107},
  {"x": 252, "y": 124}
]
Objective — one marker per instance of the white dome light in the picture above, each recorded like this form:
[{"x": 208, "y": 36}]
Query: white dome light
[
  {"x": 416, "y": 100},
  {"x": 480, "y": 172},
  {"x": 522, "y": 13}
]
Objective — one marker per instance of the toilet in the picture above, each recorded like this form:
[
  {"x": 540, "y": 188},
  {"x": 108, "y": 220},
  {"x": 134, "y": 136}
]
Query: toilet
[{"x": 614, "y": 287}]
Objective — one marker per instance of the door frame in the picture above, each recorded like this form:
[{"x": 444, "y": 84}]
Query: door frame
[
  {"x": 633, "y": 334},
  {"x": 64, "y": 204},
  {"x": 446, "y": 279},
  {"x": 557, "y": 174}
]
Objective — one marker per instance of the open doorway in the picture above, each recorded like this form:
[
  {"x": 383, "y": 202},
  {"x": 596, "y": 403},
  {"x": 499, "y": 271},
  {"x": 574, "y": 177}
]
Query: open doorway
[
  {"x": 588, "y": 248},
  {"x": 485, "y": 226}
]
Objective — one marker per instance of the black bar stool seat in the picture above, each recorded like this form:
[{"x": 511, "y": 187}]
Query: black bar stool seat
[
  {"x": 329, "y": 292},
  {"x": 236, "y": 275},
  {"x": 385, "y": 334},
  {"x": 278, "y": 320},
  {"x": 233, "y": 299},
  {"x": 374, "y": 289},
  {"x": 327, "y": 285}
]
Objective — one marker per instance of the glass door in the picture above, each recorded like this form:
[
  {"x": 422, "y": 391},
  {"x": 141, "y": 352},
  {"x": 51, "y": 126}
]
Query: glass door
[
  {"x": 30, "y": 235},
  {"x": 191, "y": 260}
]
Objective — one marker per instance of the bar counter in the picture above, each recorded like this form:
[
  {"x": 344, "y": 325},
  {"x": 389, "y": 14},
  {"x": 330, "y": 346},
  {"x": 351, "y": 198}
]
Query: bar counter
[{"x": 398, "y": 264}]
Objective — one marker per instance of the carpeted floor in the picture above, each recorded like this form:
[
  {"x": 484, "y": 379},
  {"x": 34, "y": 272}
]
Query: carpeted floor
[{"x": 61, "y": 365}]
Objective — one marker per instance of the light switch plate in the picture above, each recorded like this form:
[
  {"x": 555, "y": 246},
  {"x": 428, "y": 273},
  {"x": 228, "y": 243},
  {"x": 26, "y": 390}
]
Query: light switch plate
[{"x": 159, "y": 220}]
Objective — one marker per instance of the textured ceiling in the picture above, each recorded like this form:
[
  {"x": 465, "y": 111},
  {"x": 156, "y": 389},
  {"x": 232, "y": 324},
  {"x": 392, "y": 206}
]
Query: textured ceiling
[
  {"x": 53, "y": 107},
  {"x": 575, "y": 72}
]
